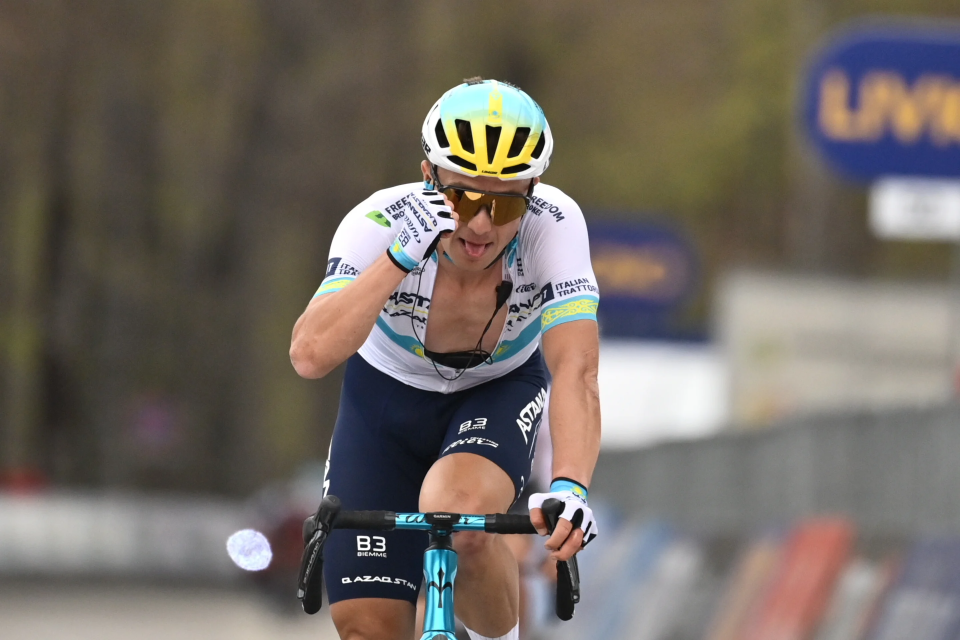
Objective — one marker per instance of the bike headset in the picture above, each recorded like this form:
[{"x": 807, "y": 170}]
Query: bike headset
[{"x": 483, "y": 128}]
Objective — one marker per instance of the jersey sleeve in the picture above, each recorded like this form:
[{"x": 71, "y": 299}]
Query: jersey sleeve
[
  {"x": 363, "y": 235},
  {"x": 559, "y": 257}
]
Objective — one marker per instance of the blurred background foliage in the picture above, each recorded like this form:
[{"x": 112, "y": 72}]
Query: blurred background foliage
[{"x": 174, "y": 170}]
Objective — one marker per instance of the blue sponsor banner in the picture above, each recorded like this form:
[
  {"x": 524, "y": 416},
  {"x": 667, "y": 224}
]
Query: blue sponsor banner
[
  {"x": 645, "y": 272},
  {"x": 886, "y": 101},
  {"x": 924, "y": 603}
]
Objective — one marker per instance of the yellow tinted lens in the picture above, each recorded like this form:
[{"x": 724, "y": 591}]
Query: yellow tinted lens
[
  {"x": 465, "y": 206},
  {"x": 503, "y": 209},
  {"x": 452, "y": 195},
  {"x": 507, "y": 208}
]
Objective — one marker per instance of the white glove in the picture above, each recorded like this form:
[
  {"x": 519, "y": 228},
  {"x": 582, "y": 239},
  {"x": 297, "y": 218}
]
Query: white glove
[
  {"x": 425, "y": 218},
  {"x": 574, "y": 498}
]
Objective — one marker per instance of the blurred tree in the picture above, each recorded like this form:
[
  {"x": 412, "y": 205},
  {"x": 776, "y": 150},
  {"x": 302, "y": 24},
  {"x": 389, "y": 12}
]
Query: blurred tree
[{"x": 173, "y": 172}]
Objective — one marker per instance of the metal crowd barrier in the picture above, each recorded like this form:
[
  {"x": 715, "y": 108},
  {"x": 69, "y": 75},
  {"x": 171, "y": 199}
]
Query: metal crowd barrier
[{"x": 893, "y": 473}]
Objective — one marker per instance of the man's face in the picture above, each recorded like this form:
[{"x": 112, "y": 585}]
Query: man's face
[{"x": 474, "y": 245}]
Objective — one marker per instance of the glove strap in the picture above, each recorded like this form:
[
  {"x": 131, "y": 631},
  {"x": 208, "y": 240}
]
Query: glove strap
[
  {"x": 566, "y": 484},
  {"x": 400, "y": 258}
]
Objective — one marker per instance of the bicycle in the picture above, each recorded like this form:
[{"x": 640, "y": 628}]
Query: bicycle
[{"x": 439, "y": 560}]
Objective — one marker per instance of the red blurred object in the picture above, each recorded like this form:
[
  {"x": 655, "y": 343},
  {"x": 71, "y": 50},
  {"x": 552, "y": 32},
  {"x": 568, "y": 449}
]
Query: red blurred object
[
  {"x": 22, "y": 481},
  {"x": 815, "y": 553}
]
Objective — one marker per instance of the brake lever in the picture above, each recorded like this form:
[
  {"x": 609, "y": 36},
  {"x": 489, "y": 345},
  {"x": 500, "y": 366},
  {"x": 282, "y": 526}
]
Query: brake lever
[
  {"x": 568, "y": 571},
  {"x": 316, "y": 528}
]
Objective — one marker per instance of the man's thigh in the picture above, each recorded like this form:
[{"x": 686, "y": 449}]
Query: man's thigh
[
  {"x": 499, "y": 422},
  {"x": 374, "y": 465},
  {"x": 372, "y": 564}
]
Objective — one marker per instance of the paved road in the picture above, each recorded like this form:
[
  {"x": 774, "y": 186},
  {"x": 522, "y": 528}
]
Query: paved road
[{"x": 115, "y": 612}]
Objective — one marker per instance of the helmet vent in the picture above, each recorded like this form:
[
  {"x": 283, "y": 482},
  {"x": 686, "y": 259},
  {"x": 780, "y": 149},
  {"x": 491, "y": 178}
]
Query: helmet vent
[
  {"x": 493, "y": 139},
  {"x": 537, "y": 150},
  {"x": 465, "y": 133},
  {"x": 442, "y": 135},
  {"x": 466, "y": 164},
  {"x": 517, "y": 168},
  {"x": 519, "y": 139}
]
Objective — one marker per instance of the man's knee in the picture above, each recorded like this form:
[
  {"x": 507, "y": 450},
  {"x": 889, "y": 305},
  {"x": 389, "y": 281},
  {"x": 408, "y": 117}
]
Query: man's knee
[
  {"x": 436, "y": 497},
  {"x": 373, "y": 619},
  {"x": 472, "y": 545},
  {"x": 466, "y": 483},
  {"x": 368, "y": 627}
]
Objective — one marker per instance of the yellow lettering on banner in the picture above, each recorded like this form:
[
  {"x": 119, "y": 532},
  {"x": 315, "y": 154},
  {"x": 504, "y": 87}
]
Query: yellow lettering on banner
[
  {"x": 886, "y": 104},
  {"x": 836, "y": 119},
  {"x": 946, "y": 128},
  {"x": 628, "y": 271},
  {"x": 912, "y": 110}
]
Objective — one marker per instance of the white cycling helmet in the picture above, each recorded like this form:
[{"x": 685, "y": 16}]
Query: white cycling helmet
[{"x": 488, "y": 128}]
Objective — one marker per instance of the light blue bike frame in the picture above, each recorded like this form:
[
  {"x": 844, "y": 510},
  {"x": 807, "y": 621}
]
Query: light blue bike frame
[{"x": 439, "y": 571}]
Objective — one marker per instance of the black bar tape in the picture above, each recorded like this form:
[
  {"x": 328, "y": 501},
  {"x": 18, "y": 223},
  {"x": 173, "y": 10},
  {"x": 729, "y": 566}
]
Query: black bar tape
[
  {"x": 508, "y": 523},
  {"x": 369, "y": 520}
]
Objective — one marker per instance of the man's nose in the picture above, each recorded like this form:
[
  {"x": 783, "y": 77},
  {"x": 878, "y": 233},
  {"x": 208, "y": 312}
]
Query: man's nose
[{"x": 481, "y": 222}]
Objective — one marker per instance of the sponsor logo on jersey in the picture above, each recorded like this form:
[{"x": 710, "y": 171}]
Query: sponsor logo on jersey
[
  {"x": 401, "y": 304},
  {"x": 530, "y": 413},
  {"x": 546, "y": 294},
  {"x": 473, "y": 440},
  {"x": 538, "y": 206},
  {"x": 383, "y": 579},
  {"x": 525, "y": 288},
  {"x": 523, "y": 309},
  {"x": 337, "y": 267},
  {"x": 379, "y": 218},
  {"x": 580, "y": 285},
  {"x": 332, "y": 266},
  {"x": 395, "y": 210}
]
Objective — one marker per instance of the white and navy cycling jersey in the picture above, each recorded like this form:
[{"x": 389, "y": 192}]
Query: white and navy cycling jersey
[{"x": 548, "y": 263}]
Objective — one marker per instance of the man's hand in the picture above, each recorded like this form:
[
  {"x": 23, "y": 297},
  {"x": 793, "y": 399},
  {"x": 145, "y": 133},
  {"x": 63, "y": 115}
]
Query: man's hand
[
  {"x": 425, "y": 220},
  {"x": 576, "y": 527}
]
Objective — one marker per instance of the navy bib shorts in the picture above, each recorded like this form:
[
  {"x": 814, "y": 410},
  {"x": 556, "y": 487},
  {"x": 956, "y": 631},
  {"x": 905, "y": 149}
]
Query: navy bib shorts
[{"x": 388, "y": 435}]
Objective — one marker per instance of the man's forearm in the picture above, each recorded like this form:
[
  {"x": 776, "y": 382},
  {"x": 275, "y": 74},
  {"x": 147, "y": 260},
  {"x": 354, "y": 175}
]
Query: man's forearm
[
  {"x": 335, "y": 325},
  {"x": 575, "y": 423}
]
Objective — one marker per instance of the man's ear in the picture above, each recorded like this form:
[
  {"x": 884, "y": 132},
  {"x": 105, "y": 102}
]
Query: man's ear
[{"x": 425, "y": 170}]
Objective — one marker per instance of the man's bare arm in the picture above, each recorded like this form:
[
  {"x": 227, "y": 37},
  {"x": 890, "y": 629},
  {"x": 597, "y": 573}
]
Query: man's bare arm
[
  {"x": 335, "y": 325},
  {"x": 572, "y": 353}
]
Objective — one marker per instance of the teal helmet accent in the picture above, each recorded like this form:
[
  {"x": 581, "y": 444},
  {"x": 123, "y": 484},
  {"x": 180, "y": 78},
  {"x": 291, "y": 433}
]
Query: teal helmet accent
[{"x": 488, "y": 128}]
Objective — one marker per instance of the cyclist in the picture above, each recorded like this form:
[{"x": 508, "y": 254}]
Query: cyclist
[{"x": 440, "y": 297}]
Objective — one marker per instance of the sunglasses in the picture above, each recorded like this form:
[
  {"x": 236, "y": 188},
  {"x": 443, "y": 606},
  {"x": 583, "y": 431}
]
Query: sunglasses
[{"x": 503, "y": 207}]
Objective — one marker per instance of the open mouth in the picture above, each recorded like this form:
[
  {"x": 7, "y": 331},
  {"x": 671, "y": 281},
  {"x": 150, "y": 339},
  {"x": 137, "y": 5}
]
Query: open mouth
[{"x": 473, "y": 249}]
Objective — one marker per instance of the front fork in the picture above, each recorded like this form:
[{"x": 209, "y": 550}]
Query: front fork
[{"x": 439, "y": 573}]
